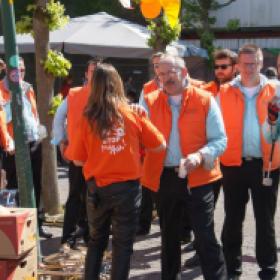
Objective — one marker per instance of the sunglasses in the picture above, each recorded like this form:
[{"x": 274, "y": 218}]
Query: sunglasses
[{"x": 222, "y": 66}]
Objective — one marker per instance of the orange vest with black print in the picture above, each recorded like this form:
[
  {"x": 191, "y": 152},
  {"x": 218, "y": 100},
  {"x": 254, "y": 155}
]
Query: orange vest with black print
[
  {"x": 233, "y": 108},
  {"x": 192, "y": 132}
]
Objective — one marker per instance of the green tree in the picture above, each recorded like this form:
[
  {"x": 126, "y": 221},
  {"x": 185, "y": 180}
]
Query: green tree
[
  {"x": 41, "y": 17},
  {"x": 196, "y": 15}
]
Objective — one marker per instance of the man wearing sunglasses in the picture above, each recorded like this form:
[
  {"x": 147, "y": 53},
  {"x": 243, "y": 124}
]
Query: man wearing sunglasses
[{"x": 224, "y": 70}]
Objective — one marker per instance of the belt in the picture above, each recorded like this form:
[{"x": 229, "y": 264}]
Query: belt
[
  {"x": 248, "y": 158},
  {"x": 172, "y": 168}
]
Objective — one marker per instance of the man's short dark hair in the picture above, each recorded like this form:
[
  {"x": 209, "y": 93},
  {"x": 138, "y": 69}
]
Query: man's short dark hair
[
  {"x": 225, "y": 53},
  {"x": 271, "y": 73}
]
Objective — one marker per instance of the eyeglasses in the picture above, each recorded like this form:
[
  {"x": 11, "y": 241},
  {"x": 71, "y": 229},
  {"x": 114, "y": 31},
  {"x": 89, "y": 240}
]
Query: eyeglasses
[
  {"x": 222, "y": 66},
  {"x": 169, "y": 73}
]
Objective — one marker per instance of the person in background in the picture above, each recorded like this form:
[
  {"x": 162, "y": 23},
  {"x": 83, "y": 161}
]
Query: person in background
[
  {"x": 191, "y": 121},
  {"x": 75, "y": 219},
  {"x": 271, "y": 73},
  {"x": 2, "y": 69},
  {"x": 224, "y": 70},
  {"x": 32, "y": 124},
  {"x": 245, "y": 164},
  {"x": 66, "y": 86},
  {"x": 278, "y": 66},
  {"x": 110, "y": 134},
  {"x": 148, "y": 201}
]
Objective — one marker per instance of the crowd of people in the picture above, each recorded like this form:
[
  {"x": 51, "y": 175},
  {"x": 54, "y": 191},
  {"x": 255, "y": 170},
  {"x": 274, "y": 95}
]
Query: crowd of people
[{"x": 173, "y": 152}]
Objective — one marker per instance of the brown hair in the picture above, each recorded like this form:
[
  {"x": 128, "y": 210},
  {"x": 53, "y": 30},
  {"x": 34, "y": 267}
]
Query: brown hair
[
  {"x": 225, "y": 53},
  {"x": 106, "y": 98},
  {"x": 251, "y": 49}
]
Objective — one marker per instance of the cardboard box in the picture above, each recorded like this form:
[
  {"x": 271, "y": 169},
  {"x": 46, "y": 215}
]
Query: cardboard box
[
  {"x": 18, "y": 232},
  {"x": 24, "y": 268}
]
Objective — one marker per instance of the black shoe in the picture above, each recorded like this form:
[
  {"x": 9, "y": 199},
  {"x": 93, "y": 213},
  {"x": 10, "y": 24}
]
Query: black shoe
[
  {"x": 192, "y": 262},
  {"x": 43, "y": 233},
  {"x": 189, "y": 247}
]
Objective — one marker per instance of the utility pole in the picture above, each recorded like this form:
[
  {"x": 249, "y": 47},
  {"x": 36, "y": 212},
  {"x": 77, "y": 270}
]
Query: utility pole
[{"x": 23, "y": 164}]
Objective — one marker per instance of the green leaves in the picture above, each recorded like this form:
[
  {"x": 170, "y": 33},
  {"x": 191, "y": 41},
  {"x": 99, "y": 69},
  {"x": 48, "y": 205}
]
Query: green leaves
[
  {"x": 55, "y": 103},
  {"x": 53, "y": 14},
  {"x": 161, "y": 33},
  {"x": 56, "y": 64}
]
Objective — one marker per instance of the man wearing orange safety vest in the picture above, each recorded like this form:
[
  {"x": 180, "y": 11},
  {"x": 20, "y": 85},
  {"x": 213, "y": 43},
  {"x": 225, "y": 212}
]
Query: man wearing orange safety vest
[
  {"x": 32, "y": 131},
  {"x": 75, "y": 222},
  {"x": 191, "y": 122},
  {"x": 147, "y": 202},
  {"x": 224, "y": 70},
  {"x": 245, "y": 162}
]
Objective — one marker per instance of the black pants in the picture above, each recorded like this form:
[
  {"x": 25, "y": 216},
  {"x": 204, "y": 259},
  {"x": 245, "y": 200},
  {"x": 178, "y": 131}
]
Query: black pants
[
  {"x": 75, "y": 208},
  {"x": 238, "y": 182},
  {"x": 147, "y": 206},
  {"x": 9, "y": 165},
  {"x": 173, "y": 198},
  {"x": 119, "y": 205}
]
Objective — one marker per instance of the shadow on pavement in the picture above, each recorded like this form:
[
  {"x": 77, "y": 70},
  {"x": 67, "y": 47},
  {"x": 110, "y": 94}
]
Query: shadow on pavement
[
  {"x": 50, "y": 246},
  {"x": 248, "y": 259}
]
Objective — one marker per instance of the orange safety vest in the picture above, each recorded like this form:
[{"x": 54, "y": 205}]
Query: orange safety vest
[
  {"x": 211, "y": 87},
  {"x": 196, "y": 83},
  {"x": 233, "y": 107},
  {"x": 150, "y": 87},
  {"x": 76, "y": 101},
  {"x": 192, "y": 132},
  {"x": 5, "y": 95}
]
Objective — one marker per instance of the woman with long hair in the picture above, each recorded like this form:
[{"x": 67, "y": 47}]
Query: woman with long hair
[{"x": 107, "y": 145}]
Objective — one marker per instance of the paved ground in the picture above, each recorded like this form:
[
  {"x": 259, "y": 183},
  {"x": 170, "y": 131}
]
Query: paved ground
[{"x": 146, "y": 258}]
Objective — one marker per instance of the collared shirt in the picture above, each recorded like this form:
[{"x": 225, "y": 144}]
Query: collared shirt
[
  {"x": 251, "y": 127},
  {"x": 215, "y": 133},
  {"x": 59, "y": 123}
]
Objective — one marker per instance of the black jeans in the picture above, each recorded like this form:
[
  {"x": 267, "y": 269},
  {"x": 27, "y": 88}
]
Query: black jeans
[
  {"x": 117, "y": 204},
  {"x": 238, "y": 182},
  {"x": 173, "y": 199},
  {"x": 75, "y": 208},
  {"x": 9, "y": 165}
]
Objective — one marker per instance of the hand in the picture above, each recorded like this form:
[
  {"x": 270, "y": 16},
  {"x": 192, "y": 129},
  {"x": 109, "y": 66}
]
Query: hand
[
  {"x": 139, "y": 110},
  {"x": 192, "y": 161},
  {"x": 62, "y": 147},
  {"x": 273, "y": 109}
]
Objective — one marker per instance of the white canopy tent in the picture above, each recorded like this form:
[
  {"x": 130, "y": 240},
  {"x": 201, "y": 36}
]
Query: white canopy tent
[{"x": 102, "y": 35}]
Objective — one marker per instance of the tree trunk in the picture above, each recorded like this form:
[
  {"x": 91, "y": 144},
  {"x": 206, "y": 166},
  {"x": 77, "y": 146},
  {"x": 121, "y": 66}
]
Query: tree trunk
[{"x": 45, "y": 84}]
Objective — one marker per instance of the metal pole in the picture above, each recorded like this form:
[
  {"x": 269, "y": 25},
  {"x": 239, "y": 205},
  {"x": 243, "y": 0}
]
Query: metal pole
[{"x": 23, "y": 164}]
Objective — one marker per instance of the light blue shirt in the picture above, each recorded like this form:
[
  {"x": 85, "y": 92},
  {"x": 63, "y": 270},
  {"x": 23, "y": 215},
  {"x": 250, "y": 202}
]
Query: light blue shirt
[
  {"x": 59, "y": 123},
  {"x": 251, "y": 127},
  {"x": 31, "y": 123},
  {"x": 215, "y": 133}
]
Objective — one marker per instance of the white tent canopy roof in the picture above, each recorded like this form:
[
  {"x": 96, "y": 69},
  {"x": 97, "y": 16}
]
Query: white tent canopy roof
[{"x": 103, "y": 35}]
